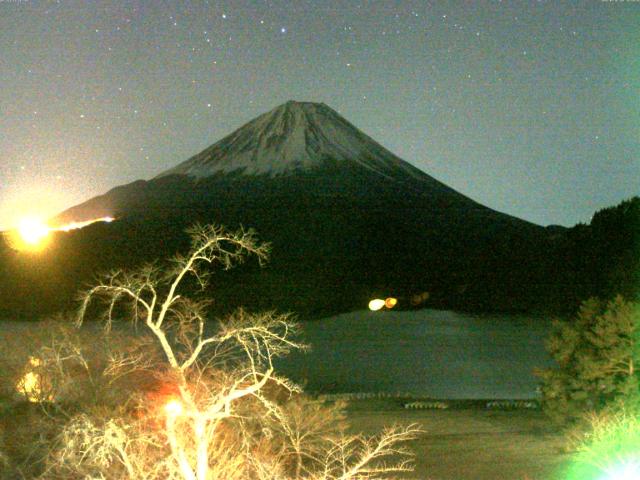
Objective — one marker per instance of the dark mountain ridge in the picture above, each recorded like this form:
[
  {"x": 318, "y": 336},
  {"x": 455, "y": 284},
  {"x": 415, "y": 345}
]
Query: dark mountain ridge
[
  {"x": 297, "y": 148},
  {"x": 348, "y": 220}
]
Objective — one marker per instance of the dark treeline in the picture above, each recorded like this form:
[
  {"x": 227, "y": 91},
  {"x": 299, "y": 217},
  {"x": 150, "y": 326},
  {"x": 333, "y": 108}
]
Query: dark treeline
[
  {"x": 602, "y": 258},
  {"x": 324, "y": 262}
]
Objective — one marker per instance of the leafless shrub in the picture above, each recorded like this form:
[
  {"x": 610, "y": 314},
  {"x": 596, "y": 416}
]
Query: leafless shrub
[
  {"x": 205, "y": 402},
  {"x": 50, "y": 372}
]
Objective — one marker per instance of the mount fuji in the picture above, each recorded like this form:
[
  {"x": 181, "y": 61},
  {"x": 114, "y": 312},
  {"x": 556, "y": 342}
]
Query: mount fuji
[
  {"x": 294, "y": 137},
  {"x": 295, "y": 141},
  {"x": 347, "y": 220}
]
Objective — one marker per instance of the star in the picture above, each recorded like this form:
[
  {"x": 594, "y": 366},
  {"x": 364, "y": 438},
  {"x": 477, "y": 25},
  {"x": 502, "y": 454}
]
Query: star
[{"x": 423, "y": 46}]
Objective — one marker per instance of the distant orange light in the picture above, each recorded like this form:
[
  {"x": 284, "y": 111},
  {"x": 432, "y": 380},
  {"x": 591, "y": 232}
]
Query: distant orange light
[
  {"x": 34, "y": 385},
  {"x": 32, "y": 233},
  {"x": 32, "y": 230},
  {"x": 390, "y": 302}
]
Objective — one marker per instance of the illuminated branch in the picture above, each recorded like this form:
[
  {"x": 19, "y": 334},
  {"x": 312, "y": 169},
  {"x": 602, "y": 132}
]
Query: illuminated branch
[{"x": 216, "y": 379}]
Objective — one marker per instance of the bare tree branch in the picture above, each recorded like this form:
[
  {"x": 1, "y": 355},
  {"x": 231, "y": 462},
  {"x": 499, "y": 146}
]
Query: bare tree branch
[{"x": 214, "y": 414}]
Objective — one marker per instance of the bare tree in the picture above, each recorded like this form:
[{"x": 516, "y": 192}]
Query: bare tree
[{"x": 218, "y": 413}]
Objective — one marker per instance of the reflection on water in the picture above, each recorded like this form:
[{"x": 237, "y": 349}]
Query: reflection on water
[{"x": 434, "y": 353}]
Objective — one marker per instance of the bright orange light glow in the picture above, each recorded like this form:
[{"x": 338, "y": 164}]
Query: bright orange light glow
[
  {"x": 33, "y": 385},
  {"x": 390, "y": 302},
  {"x": 173, "y": 408},
  {"x": 32, "y": 233},
  {"x": 376, "y": 304},
  {"x": 32, "y": 230}
]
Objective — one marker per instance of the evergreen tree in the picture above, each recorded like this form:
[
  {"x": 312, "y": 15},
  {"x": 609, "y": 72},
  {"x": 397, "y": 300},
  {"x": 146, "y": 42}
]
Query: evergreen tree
[{"x": 597, "y": 357}]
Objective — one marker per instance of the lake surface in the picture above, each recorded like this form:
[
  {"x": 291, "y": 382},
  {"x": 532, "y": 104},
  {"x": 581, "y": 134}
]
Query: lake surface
[
  {"x": 431, "y": 353},
  {"x": 434, "y": 353}
]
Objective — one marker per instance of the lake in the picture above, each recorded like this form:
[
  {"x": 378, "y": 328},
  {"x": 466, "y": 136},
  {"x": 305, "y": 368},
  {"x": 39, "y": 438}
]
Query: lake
[
  {"x": 432, "y": 353},
  {"x": 428, "y": 353}
]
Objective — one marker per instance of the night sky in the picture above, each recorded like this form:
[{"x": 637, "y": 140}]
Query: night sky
[{"x": 531, "y": 108}]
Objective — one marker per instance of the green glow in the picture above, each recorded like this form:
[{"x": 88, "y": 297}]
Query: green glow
[
  {"x": 611, "y": 452},
  {"x": 629, "y": 470}
]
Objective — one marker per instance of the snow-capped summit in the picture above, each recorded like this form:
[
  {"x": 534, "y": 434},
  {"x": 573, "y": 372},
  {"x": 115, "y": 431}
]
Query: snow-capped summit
[
  {"x": 346, "y": 218},
  {"x": 293, "y": 136}
]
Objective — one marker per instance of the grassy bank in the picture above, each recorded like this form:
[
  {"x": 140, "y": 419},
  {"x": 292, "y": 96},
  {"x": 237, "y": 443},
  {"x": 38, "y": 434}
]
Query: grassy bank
[{"x": 470, "y": 443}]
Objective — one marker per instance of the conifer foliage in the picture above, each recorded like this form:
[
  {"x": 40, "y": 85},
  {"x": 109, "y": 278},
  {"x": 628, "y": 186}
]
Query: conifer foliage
[{"x": 597, "y": 356}]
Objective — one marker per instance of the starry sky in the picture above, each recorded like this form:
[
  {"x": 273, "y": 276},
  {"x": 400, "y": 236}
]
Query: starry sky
[{"x": 531, "y": 108}]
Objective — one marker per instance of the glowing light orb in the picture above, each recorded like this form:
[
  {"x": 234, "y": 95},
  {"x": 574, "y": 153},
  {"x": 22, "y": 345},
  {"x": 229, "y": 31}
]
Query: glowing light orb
[
  {"x": 629, "y": 470},
  {"x": 390, "y": 302},
  {"x": 173, "y": 408},
  {"x": 33, "y": 385},
  {"x": 376, "y": 304},
  {"x": 31, "y": 235},
  {"x": 612, "y": 452},
  {"x": 33, "y": 231}
]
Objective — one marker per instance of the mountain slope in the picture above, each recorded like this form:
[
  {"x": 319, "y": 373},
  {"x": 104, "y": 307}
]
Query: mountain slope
[
  {"x": 295, "y": 136},
  {"x": 346, "y": 217},
  {"x": 296, "y": 148}
]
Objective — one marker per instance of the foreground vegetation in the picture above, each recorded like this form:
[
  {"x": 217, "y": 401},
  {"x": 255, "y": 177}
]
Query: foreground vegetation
[
  {"x": 471, "y": 442},
  {"x": 175, "y": 398},
  {"x": 176, "y": 402},
  {"x": 593, "y": 392}
]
